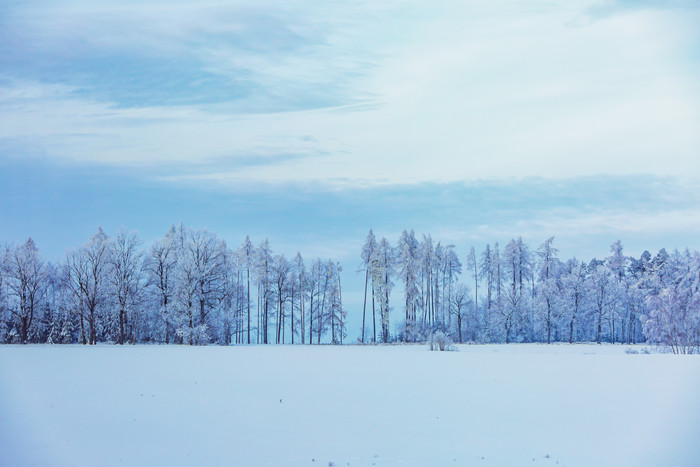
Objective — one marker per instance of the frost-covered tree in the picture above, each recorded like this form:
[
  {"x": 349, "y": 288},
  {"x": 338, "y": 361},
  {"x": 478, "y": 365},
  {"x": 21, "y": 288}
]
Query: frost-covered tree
[
  {"x": 300, "y": 285},
  {"x": 26, "y": 282},
  {"x": 161, "y": 264},
  {"x": 451, "y": 270},
  {"x": 336, "y": 314},
  {"x": 127, "y": 279},
  {"x": 673, "y": 319},
  {"x": 59, "y": 323},
  {"x": 640, "y": 279},
  {"x": 247, "y": 254},
  {"x": 497, "y": 270},
  {"x": 367, "y": 254},
  {"x": 604, "y": 296},
  {"x": 574, "y": 296},
  {"x": 473, "y": 266},
  {"x": 86, "y": 274},
  {"x": 513, "y": 304},
  {"x": 263, "y": 275},
  {"x": 4, "y": 320},
  {"x": 461, "y": 302},
  {"x": 382, "y": 282},
  {"x": 281, "y": 269},
  {"x": 617, "y": 263},
  {"x": 201, "y": 270},
  {"x": 549, "y": 290},
  {"x": 407, "y": 262},
  {"x": 486, "y": 273}
]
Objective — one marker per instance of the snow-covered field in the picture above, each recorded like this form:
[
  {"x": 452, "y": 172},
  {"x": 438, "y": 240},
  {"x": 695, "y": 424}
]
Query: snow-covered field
[{"x": 578, "y": 405}]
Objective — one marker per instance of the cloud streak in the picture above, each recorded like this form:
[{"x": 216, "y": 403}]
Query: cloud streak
[{"x": 359, "y": 94}]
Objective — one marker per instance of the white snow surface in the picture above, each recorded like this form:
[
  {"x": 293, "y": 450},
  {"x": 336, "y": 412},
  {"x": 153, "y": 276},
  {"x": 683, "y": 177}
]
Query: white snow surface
[{"x": 566, "y": 405}]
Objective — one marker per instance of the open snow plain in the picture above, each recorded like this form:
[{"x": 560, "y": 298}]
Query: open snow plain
[{"x": 566, "y": 405}]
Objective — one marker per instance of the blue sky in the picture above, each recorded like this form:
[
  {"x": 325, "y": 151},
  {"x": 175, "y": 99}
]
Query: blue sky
[{"x": 310, "y": 122}]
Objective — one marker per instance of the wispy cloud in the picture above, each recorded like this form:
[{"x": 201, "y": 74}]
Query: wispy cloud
[{"x": 353, "y": 93}]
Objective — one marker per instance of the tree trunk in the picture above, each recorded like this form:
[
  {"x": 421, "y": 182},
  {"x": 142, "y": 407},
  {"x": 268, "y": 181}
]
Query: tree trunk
[
  {"x": 459, "y": 327},
  {"x": 364, "y": 305},
  {"x": 311, "y": 318},
  {"x": 121, "y": 326},
  {"x": 571, "y": 331},
  {"x": 374, "y": 320},
  {"x": 82, "y": 328},
  {"x": 93, "y": 331},
  {"x": 249, "y": 305},
  {"x": 279, "y": 318},
  {"x": 320, "y": 314},
  {"x": 25, "y": 329},
  {"x": 549, "y": 322},
  {"x": 167, "y": 319},
  {"x": 302, "y": 312},
  {"x": 612, "y": 328}
]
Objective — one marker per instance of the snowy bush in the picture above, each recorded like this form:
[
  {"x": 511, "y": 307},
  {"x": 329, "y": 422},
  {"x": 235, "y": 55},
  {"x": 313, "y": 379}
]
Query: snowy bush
[
  {"x": 198, "y": 335},
  {"x": 644, "y": 350},
  {"x": 440, "y": 341},
  {"x": 674, "y": 318}
]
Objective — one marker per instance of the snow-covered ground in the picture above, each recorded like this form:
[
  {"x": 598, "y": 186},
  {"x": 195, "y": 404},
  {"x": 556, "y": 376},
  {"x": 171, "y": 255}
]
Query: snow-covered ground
[{"x": 567, "y": 405}]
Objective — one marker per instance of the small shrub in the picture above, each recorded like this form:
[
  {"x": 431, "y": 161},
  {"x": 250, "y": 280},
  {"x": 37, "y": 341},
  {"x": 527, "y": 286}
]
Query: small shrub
[{"x": 438, "y": 340}]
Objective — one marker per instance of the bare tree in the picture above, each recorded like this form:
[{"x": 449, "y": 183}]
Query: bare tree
[
  {"x": 280, "y": 270},
  {"x": 460, "y": 303}
]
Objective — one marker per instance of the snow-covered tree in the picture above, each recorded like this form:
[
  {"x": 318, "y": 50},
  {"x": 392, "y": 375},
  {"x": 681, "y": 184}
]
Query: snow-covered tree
[
  {"x": 573, "y": 297},
  {"x": 673, "y": 319},
  {"x": 161, "y": 264},
  {"x": 461, "y": 302},
  {"x": 281, "y": 269},
  {"x": 26, "y": 282},
  {"x": 4, "y": 320},
  {"x": 549, "y": 290},
  {"x": 407, "y": 262},
  {"x": 300, "y": 285},
  {"x": 336, "y": 313},
  {"x": 201, "y": 270},
  {"x": 86, "y": 274},
  {"x": 513, "y": 307},
  {"x": 451, "y": 270},
  {"x": 247, "y": 254},
  {"x": 382, "y": 282},
  {"x": 604, "y": 296},
  {"x": 473, "y": 266},
  {"x": 487, "y": 273},
  {"x": 263, "y": 275},
  {"x": 367, "y": 254},
  {"x": 127, "y": 279}
]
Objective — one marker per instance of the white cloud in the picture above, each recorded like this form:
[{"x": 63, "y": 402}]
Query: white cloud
[{"x": 452, "y": 92}]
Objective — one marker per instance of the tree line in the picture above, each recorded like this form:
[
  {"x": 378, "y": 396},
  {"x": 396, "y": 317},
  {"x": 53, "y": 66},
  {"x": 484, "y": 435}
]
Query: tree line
[
  {"x": 525, "y": 295},
  {"x": 187, "y": 288}
]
